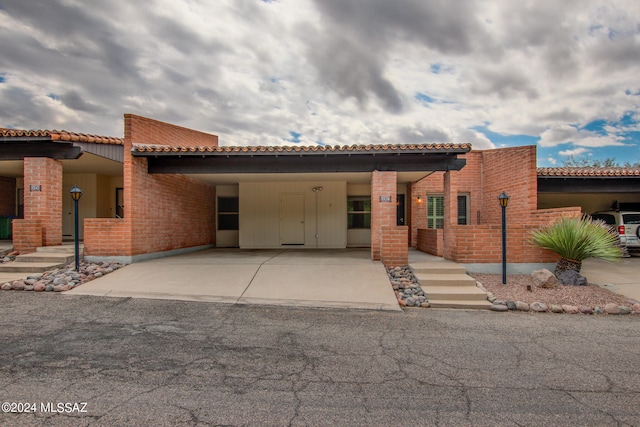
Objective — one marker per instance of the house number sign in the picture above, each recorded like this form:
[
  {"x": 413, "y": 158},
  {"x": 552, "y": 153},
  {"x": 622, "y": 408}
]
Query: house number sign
[
  {"x": 385, "y": 199},
  {"x": 35, "y": 187}
]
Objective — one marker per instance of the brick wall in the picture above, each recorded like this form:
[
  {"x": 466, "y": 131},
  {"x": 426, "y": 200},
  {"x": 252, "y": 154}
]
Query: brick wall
[
  {"x": 485, "y": 176},
  {"x": 7, "y": 196},
  {"x": 27, "y": 235},
  {"x": 383, "y": 213},
  {"x": 44, "y": 205},
  {"x": 161, "y": 212},
  {"x": 430, "y": 240},
  {"x": 394, "y": 247}
]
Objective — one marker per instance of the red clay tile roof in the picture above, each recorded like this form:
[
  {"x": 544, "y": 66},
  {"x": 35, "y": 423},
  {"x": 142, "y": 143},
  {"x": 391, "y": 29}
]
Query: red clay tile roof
[
  {"x": 588, "y": 172},
  {"x": 287, "y": 149},
  {"x": 61, "y": 135}
]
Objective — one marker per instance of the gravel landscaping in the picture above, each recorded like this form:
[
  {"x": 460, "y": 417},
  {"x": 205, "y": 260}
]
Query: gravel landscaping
[{"x": 560, "y": 299}]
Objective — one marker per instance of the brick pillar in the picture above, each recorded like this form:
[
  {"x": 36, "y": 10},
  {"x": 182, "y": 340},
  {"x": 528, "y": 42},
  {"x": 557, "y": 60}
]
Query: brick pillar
[
  {"x": 450, "y": 215},
  {"x": 43, "y": 197},
  {"x": 383, "y": 207}
]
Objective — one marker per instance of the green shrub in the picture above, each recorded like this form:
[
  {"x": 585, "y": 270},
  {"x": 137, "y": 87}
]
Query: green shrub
[{"x": 576, "y": 239}]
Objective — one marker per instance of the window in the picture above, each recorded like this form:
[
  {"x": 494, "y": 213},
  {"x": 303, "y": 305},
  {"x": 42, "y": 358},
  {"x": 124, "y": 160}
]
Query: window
[
  {"x": 228, "y": 218},
  {"x": 359, "y": 212},
  {"x": 463, "y": 209},
  {"x": 435, "y": 210}
]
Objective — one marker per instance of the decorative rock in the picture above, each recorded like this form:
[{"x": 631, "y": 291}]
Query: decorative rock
[
  {"x": 597, "y": 310},
  {"x": 49, "y": 288},
  {"x": 499, "y": 302},
  {"x": 636, "y": 308},
  {"x": 18, "y": 285},
  {"x": 59, "y": 281},
  {"x": 570, "y": 309},
  {"x": 511, "y": 305},
  {"x": 498, "y": 307},
  {"x": 612, "y": 308},
  {"x": 538, "y": 307},
  {"x": 410, "y": 302},
  {"x": 522, "y": 306},
  {"x": 555, "y": 308},
  {"x": 6, "y": 287},
  {"x": 39, "y": 287},
  {"x": 585, "y": 310},
  {"x": 28, "y": 287},
  {"x": 491, "y": 298},
  {"x": 624, "y": 309},
  {"x": 544, "y": 279},
  {"x": 572, "y": 278}
]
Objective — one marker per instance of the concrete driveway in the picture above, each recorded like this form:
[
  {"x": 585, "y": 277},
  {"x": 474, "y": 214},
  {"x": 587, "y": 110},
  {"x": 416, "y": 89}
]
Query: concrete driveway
[
  {"x": 620, "y": 277},
  {"x": 345, "y": 278}
]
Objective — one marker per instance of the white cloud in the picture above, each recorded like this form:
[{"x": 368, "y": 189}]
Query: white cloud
[{"x": 574, "y": 152}]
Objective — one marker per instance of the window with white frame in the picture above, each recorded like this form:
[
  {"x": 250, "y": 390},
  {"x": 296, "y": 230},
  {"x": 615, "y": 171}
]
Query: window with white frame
[{"x": 359, "y": 212}]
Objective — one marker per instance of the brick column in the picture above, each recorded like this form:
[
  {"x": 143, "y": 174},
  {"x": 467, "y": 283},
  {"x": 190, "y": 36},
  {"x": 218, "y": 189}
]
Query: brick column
[
  {"x": 43, "y": 197},
  {"x": 383, "y": 207},
  {"x": 450, "y": 215}
]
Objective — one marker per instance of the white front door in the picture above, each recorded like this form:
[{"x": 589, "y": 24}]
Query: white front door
[{"x": 292, "y": 219}]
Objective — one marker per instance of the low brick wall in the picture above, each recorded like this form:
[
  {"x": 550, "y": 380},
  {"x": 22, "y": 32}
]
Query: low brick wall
[
  {"x": 106, "y": 237},
  {"x": 430, "y": 241},
  {"x": 27, "y": 235},
  {"x": 394, "y": 246}
]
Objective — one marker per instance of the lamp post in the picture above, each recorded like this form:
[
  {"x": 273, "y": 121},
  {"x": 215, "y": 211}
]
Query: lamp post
[
  {"x": 76, "y": 193},
  {"x": 504, "y": 201}
]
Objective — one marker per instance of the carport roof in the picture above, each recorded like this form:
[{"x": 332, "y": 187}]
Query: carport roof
[
  {"x": 301, "y": 159},
  {"x": 7, "y": 135},
  {"x": 588, "y": 180}
]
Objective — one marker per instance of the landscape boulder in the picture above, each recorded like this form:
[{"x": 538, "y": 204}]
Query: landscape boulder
[
  {"x": 544, "y": 279},
  {"x": 572, "y": 278}
]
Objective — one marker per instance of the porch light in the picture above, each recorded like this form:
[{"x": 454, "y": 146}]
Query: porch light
[
  {"x": 504, "y": 201},
  {"x": 76, "y": 193},
  {"x": 419, "y": 199}
]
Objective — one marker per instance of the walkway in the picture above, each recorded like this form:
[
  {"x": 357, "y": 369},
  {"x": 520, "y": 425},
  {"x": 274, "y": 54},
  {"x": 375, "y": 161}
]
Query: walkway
[{"x": 345, "y": 278}]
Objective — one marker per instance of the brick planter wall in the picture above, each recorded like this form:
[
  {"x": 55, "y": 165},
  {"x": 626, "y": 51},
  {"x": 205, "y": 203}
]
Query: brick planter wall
[
  {"x": 430, "y": 241},
  {"x": 27, "y": 235},
  {"x": 394, "y": 247}
]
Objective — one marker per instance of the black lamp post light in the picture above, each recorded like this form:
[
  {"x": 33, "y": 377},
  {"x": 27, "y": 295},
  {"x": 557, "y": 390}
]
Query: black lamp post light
[
  {"x": 504, "y": 201},
  {"x": 76, "y": 193}
]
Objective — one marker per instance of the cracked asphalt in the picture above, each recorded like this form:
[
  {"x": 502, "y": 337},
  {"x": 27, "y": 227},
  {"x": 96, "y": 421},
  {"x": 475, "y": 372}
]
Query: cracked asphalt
[{"x": 161, "y": 362}]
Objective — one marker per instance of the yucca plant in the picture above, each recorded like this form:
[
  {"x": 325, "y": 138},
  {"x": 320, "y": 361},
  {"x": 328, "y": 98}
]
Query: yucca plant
[{"x": 576, "y": 239}]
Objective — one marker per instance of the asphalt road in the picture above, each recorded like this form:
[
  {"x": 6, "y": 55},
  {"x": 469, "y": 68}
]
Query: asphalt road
[{"x": 157, "y": 362}]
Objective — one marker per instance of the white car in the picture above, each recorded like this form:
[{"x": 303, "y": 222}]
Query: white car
[{"x": 626, "y": 223}]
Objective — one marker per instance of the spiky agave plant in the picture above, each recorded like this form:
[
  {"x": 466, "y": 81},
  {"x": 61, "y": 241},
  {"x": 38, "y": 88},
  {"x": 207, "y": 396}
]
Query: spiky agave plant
[{"x": 576, "y": 239}]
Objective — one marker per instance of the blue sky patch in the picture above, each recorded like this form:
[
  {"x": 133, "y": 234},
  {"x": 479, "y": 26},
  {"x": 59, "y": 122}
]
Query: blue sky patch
[
  {"x": 295, "y": 137},
  {"x": 2, "y": 78},
  {"x": 501, "y": 140},
  {"x": 423, "y": 97},
  {"x": 53, "y": 96}
]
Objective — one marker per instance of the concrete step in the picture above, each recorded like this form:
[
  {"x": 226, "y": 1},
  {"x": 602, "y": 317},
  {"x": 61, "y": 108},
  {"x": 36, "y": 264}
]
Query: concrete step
[
  {"x": 438, "y": 267},
  {"x": 475, "y": 305},
  {"x": 28, "y": 267},
  {"x": 427, "y": 279},
  {"x": 50, "y": 257},
  {"x": 454, "y": 293},
  {"x": 59, "y": 249}
]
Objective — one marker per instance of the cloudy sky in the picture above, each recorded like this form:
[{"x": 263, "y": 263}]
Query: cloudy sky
[{"x": 564, "y": 75}]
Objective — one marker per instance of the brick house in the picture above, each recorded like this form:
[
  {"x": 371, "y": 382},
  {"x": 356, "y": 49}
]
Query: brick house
[{"x": 163, "y": 189}]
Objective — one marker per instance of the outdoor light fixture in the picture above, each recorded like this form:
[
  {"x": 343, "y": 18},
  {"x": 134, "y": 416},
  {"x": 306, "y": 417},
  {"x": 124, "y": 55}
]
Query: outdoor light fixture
[
  {"x": 504, "y": 201},
  {"x": 419, "y": 199},
  {"x": 76, "y": 193}
]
